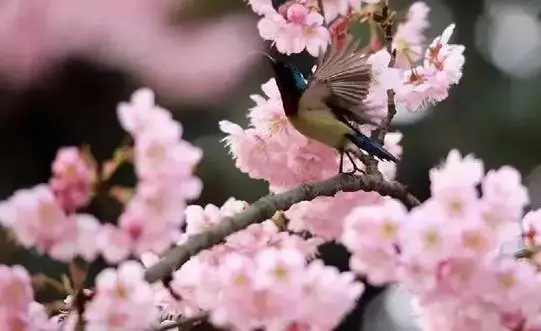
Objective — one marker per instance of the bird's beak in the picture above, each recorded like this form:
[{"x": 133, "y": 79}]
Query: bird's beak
[{"x": 271, "y": 59}]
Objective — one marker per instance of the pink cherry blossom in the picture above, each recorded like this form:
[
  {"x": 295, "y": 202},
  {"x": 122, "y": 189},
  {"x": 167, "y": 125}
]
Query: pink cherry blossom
[
  {"x": 297, "y": 13},
  {"x": 298, "y": 28},
  {"x": 73, "y": 179},
  {"x": 160, "y": 155},
  {"x": 514, "y": 283},
  {"x": 139, "y": 230},
  {"x": 334, "y": 8},
  {"x": 460, "y": 249},
  {"x": 123, "y": 300},
  {"x": 88, "y": 230},
  {"x": 16, "y": 299},
  {"x": 199, "y": 219},
  {"x": 383, "y": 79},
  {"x": 469, "y": 169},
  {"x": 374, "y": 226},
  {"x": 504, "y": 195},
  {"x": 38, "y": 318},
  {"x": 328, "y": 296},
  {"x": 371, "y": 234},
  {"x": 261, "y": 6},
  {"x": 324, "y": 216},
  {"x": 146, "y": 232},
  {"x": 409, "y": 38},
  {"x": 115, "y": 244},
  {"x": 430, "y": 82},
  {"x": 246, "y": 303},
  {"x": 138, "y": 114},
  {"x": 199, "y": 281},
  {"x": 15, "y": 287},
  {"x": 37, "y": 220},
  {"x": 391, "y": 143},
  {"x": 164, "y": 164}
]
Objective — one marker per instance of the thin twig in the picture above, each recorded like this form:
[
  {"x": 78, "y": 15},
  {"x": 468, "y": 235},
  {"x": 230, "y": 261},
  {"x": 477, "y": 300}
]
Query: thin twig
[
  {"x": 378, "y": 135},
  {"x": 185, "y": 324},
  {"x": 523, "y": 254},
  {"x": 527, "y": 253},
  {"x": 264, "y": 209}
]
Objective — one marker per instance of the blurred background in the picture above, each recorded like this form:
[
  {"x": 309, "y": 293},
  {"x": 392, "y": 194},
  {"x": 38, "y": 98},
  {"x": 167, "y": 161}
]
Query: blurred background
[{"x": 64, "y": 66}]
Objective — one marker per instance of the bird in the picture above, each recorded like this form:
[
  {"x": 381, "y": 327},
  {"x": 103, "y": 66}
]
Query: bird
[{"x": 330, "y": 106}]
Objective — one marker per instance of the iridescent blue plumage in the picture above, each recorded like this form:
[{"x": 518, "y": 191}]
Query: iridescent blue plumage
[
  {"x": 300, "y": 83},
  {"x": 371, "y": 147}
]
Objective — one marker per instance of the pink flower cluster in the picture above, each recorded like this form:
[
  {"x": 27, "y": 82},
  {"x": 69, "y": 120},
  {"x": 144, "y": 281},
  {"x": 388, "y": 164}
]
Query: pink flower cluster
[
  {"x": 259, "y": 278},
  {"x": 446, "y": 251},
  {"x": 409, "y": 39},
  {"x": 123, "y": 300},
  {"x": 73, "y": 179},
  {"x": 430, "y": 82},
  {"x": 296, "y": 26},
  {"x": 43, "y": 216},
  {"x": 299, "y": 24},
  {"x": 18, "y": 310},
  {"x": 37, "y": 220},
  {"x": 164, "y": 165}
]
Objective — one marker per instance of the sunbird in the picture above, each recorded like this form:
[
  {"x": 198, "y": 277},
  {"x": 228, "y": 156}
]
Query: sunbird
[{"x": 330, "y": 106}]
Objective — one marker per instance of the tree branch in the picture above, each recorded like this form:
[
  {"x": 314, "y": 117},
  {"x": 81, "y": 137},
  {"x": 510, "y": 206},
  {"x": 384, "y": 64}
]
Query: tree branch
[{"x": 264, "y": 209}]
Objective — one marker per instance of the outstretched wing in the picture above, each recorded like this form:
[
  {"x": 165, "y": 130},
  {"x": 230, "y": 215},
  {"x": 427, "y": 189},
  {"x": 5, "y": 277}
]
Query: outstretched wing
[{"x": 342, "y": 78}]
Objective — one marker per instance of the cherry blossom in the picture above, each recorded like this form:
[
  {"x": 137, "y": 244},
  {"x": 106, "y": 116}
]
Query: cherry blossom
[
  {"x": 123, "y": 300},
  {"x": 164, "y": 164},
  {"x": 430, "y": 83},
  {"x": 201, "y": 283},
  {"x": 371, "y": 233},
  {"x": 16, "y": 299},
  {"x": 446, "y": 251},
  {"x": 288, "y": 292},
  {"x": 293, "y": 28},
  {"x": 334, "y": 8},
  {"x": 73, "y": 178},
  {"x": 409, "y": 38},
  {"x": 37, "y": 220}
]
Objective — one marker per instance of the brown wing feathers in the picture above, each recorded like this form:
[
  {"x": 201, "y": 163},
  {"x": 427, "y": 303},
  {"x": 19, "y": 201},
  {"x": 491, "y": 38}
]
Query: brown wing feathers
[{"x": 346, "y": 74}]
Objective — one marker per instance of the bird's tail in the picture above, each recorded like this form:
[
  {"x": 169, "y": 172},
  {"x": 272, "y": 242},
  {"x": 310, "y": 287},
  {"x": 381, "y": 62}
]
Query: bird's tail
[{"x": 371, "y": 147}]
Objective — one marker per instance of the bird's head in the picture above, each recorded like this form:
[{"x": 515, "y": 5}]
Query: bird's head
[{"x": 288, "y": 78}]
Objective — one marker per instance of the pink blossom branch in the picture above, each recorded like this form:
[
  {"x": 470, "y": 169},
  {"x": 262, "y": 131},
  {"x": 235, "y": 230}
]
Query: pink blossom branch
[{"x": 264, "y": 209}]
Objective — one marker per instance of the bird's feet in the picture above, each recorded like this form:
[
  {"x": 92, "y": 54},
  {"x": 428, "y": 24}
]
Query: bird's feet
[{"x": 355, "y": 169}]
